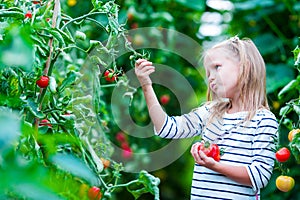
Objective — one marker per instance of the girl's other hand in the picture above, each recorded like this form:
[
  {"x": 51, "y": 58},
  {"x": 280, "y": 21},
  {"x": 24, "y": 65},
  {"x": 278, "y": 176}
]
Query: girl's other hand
[
  {"x": 143, "y": 69},
  {"x": 200, "y": 157}
]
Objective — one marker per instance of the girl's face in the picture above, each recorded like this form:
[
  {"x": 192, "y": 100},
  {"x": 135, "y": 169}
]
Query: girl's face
[{"x": 222, "y": 72}]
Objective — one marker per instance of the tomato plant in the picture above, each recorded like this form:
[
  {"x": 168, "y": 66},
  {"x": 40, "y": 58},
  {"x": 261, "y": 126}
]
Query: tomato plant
[{"x": 53, "y": 126}]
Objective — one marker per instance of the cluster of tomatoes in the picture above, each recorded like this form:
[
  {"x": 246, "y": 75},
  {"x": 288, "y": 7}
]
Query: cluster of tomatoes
[{"x": 285, "y": 183}]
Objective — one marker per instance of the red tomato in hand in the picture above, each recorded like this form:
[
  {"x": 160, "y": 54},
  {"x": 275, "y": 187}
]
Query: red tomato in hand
[
  {"x": 210, "y": 150},
  {"x": 283, "y": 154},
  {"x": 43, "y": 81},
  {"x": 110, "y": 76},
  {"x": 94, "y": 193}
]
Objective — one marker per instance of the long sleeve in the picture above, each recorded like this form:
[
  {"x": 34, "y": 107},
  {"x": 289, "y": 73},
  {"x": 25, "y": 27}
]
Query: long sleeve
[
  {"x": 260, "y": 170},
  {"x": 186, "y": 125}
]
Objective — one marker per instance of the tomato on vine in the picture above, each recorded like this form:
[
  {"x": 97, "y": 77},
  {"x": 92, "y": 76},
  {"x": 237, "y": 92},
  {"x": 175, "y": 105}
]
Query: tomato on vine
[
  {"x": 110, "y": 76},
  {"x": 285, "y": 183},
  {"x": 164, "y": 99},
  {"x": 283, "y": 154},
  {"x": 292, "y": 133},
  {"x": 28, "y": 15},
  {"x": 43, "y": 81},
  {"x": 94, "y": 193},
  {"x": 45, "y": 122}
]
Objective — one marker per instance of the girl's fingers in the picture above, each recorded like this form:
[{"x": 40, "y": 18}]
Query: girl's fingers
[{"x": 140, "y": 63}]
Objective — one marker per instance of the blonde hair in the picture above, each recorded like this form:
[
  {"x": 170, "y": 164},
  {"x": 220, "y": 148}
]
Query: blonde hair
[{"x": 251, "y": 80}]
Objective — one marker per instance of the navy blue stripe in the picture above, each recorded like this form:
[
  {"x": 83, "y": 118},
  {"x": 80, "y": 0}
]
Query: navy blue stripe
[
  {"x": 169, "y": 131},
  {"x": 210, "y": 197},
  {"x": 267, "y": 126},
  {"x": 266, "y": 170},
  {"x": 225, "y": 191},
  {"x": 188, "y": 120},
  {"x": 223, "y": 183},
  {"x": 176, "y": 129},
  {"x": 235, "y": 161},
  {"x": 198, "y": 117},
  {"x": 164, "y": 126},
  {"x": 259, "y": 173},
  {"x": 208, "y": 173},
  {"x": 253, "y": 177}
]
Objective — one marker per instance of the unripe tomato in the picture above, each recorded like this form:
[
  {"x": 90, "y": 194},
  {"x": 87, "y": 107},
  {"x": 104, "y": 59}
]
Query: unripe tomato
[
  {"x": 43, "y": 81},
  {"x": 94, "y": 193},
  {"x": 292, "y": 133},
  {"x": 105, "y": 162},
  {"x": 28, "y": 15},
  {"x": 285, "y": 183},
  {"x": 130, "y": 16},
  {"x": 164, "y": 99},
  {"x": 283, "y": 154},
  {"x": 110, "y": 76}
]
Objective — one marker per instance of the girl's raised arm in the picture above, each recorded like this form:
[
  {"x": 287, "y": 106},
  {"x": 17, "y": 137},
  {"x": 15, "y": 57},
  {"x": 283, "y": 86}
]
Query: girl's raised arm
[{"x": 143, "y": 69}]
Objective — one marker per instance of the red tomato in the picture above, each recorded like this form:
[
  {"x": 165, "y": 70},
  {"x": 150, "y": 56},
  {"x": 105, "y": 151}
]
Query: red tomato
[
  {"x": 94, "y": 193},
  {"x": 36, "y": 1},
  {"x": 28, "y": 15},
  {"x": 43, "y": 81},
  {"x": 283, "y": 154},
  {"x": 211, "y": 150},
  {"x": 164, "y": 99},
  {"x": 45, "y": 122},
  {"x": 110, "y": 76}
]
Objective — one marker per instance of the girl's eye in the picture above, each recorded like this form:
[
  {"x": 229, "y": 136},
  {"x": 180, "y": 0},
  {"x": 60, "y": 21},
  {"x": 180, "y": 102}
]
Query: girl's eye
[{"x": 217, "y": 66}]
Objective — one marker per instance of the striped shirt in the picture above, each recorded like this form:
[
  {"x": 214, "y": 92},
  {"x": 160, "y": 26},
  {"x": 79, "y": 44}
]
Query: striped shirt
[{"x": 245, "y": 143}]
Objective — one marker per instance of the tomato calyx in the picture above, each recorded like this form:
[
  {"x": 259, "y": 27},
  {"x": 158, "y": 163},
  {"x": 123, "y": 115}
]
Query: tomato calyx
[
  {"x": 210, "y": 150},
  {"x": 283, "y": 154}
]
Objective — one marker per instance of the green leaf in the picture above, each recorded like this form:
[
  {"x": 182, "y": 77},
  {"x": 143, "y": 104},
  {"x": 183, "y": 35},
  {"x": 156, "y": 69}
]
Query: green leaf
[
  {"x": 97, "y": 4},
  {"x": 285, "y": 110},
  {"x": 193, "y": 4},
  {"x": 75, "y": 166},
  {"x": 34, "y": 108},
  {"x": 67, "y": 38},
  {"x": 295, "y": 147},
  {"x": 12, "y": 13},
  {"x": 57, "y": 35},
  {"x": 150, "y": 184},
  {"x": 71, "y": 77},
  {"x": 278, "y": 76},
  {"x": 290, "y": 86}
]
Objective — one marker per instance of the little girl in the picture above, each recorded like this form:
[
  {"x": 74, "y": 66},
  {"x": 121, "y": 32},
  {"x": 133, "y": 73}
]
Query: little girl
[{"x": 236, "y": 117}]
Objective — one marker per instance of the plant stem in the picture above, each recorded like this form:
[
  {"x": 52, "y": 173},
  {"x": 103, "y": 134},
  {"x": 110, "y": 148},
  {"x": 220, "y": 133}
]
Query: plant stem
[{"x": 82, "y": 17}]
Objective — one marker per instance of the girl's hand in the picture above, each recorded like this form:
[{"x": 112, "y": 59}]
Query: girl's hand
[
  {"x": 201, "y": 158},
  {"x": 143, "y": 68}
]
